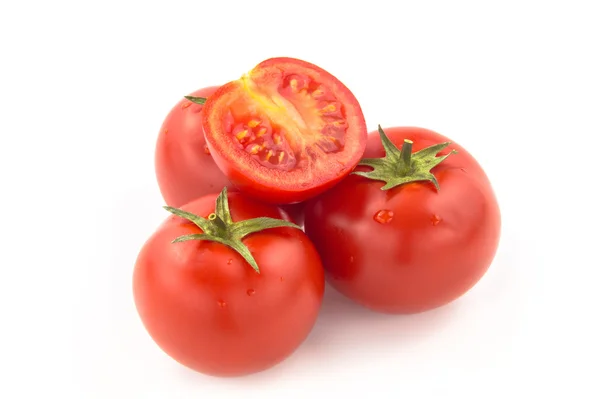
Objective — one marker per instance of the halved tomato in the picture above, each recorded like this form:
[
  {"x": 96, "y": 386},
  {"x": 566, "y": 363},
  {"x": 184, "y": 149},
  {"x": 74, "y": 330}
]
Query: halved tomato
[{"x": 286, "y": 131}]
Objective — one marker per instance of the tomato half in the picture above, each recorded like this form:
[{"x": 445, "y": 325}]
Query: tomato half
[
  {"x": 286, "y": 131},
  {"x": 207, "y": 308},
  {"x": 184, "y": 168},
  {"x": 412, "y": 247}
]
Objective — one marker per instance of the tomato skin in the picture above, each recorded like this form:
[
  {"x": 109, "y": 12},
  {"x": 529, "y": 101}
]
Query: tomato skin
[
  {"x": 436, "y": 245},
  {"x": 293, "y": 186},
  {"x": 210, "y": 311},
  {"x": 184, "y": 167}
]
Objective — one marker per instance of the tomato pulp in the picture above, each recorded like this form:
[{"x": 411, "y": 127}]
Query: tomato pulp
[
  {"x": 412, "y": 247},
  {"x": 208, "y": 309},
  {"x": 285, "y": 132}
]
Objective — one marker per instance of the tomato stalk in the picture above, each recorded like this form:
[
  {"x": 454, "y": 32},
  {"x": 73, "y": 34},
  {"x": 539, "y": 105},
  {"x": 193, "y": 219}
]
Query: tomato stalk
[
  {"x": 219, "y": 227},
  {"x": 405, "y": 154},
  {"x": 401, "y": 166}
]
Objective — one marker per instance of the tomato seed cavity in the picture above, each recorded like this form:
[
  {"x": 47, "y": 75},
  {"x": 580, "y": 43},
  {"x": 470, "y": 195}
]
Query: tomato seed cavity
[
  {"x": 265, "y": 143},
  {"x": 330, "y": 111}
]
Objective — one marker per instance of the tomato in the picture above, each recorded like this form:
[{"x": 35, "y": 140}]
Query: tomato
[
  {"x": 207, "y": 307},
  {"x": 284, "y": 132},
  {"x": 410, "y": 247},
  {"x": 184, "y": 168}
]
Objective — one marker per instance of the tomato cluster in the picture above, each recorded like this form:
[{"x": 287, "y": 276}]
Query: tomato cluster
[{"x": 400, "y": 220}]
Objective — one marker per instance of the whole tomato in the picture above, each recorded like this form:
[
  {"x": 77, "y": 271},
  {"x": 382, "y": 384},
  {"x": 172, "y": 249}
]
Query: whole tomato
[
  {"x": 407, "y": 231},
  {"x": 228, "y": 287},
  {"x": 185, "y": 169}
]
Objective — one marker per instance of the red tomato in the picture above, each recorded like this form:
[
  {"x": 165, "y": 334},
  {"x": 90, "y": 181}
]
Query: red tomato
[
  {"x": 185, "y": 170},
  {"x": 207, "y": 308},
  {"x": 409, "y": 248},
  {"x": 286, "y": 131}
]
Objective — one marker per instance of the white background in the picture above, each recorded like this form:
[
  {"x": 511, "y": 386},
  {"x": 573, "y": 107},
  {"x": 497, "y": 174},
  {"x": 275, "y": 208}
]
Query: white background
[{"x": 84, "y": 87}]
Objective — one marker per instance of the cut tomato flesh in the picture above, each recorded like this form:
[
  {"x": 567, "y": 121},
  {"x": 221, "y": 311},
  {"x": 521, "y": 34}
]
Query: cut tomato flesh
[{"x": 286, "y": 125}]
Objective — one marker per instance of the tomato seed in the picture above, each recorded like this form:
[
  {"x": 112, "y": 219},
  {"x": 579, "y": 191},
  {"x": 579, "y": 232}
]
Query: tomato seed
[{"x": 252, "y": 123}]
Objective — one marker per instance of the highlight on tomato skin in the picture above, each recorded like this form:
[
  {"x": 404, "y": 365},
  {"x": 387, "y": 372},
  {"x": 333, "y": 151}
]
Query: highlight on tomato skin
[
  {"x": 421, "y": 229},
  {"x": 284, "y": 132},
  {"x": 210, "y": 310}
]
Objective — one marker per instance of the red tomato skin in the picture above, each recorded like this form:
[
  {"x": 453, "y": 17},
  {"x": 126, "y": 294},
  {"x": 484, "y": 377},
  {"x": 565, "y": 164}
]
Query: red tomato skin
[
  {"x": 184, "y": 167},
  {"x": 436, "y": 246},
  {"x": 210, "y": 311}
]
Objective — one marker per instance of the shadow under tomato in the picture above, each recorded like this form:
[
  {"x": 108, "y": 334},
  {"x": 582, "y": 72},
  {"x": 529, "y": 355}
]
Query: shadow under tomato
[
  {"x": 343, "y": 324},
  {"x": 342, "y": 327}
]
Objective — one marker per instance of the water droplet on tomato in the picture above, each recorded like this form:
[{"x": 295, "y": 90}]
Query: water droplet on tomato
[
  {"x": 186, "y": 104},
  {"x": 250, "y": 292},
  {"x": 229, "y": 261},
  {"x": 206, "y": 149},
  {"x": 166, "y": 131},
  {"x": 222, "y": 303},
  {"x": 435, "y": 219},
  {"x": 383, "y": 216},
  {"x": 281, "y": 279},
  {"x": 352, "y": 259}
]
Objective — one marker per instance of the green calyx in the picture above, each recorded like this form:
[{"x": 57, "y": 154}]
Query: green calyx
[
  {"x": 197, "y": 100},
  {"x": 400, "y": 166},
  {"x": 219, "y": 227}
]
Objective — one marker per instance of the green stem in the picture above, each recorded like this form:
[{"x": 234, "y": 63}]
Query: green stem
[
  {"x": 402, "y": 166},
  {"x": 220, "y": 228},
  {"x": 197, "y": 100}
]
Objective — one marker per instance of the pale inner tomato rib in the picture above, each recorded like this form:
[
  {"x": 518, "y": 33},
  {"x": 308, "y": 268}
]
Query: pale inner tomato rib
[{"x": 284, "y": 124}]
